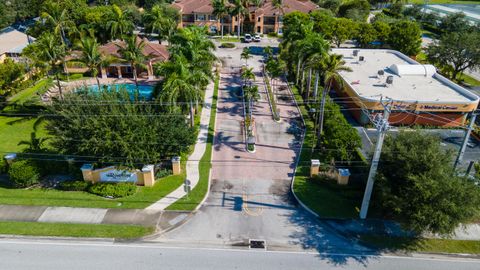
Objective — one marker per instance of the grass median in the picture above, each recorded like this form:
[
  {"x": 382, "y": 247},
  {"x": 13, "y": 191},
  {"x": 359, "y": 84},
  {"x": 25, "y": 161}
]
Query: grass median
[
  {"x": 190, "y": 202},
  {"x": 74, "y": 230}
]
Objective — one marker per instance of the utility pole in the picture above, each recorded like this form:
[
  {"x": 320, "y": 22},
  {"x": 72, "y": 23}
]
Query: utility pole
[
  {"x": 382, "y": 126},
  {"x": 465, "y": 141}
]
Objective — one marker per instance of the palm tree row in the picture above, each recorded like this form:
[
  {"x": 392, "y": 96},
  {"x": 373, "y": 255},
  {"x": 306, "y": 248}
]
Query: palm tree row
[{"x": 309, "y": 53}]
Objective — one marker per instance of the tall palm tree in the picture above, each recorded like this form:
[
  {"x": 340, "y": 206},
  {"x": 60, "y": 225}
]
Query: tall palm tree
[
  {"x": 240, "y": 9},
  {"x": 309, "y": 52},
  {"x": 251, "y": 94},
  {"x": 131, "y": 51},
  {"x": 245, "y": 55},
  {"x": 120, "y": 24},
  {"x": 158, "y": 21},
  {"x": 247, "y": 75},
  {"x": 330, "y": 66},
  {"x": 91, "y": 56},
  {"x": 51, "y": 50},
  {"x": 221, "y": 10},
  {"x": 58, "y": 18}
]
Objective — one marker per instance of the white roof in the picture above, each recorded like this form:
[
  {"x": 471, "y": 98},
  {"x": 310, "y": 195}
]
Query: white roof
[
  {"x": 412, "y": 82},
  {"x": 13, "y": 41}
]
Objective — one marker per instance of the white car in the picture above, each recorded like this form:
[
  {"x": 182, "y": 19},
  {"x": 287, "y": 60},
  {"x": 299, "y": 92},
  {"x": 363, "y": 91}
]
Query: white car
[
  {"x": 257, "y": 38},
  {"x": 247, "y": 38}
]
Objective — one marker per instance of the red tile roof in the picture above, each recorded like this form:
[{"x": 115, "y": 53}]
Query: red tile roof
[{"x": 156, "y": 52}]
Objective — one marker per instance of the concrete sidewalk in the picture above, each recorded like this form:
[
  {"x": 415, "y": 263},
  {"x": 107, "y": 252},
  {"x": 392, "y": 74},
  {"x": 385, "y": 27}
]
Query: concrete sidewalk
[
  {"x": 149, "y": 218},
  {"x": 193, "y": 160}
]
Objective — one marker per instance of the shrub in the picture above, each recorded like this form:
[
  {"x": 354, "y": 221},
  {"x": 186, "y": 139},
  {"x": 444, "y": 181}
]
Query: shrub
[
  {"x": 79, "y": 185},
  {"x": 3, "y": 166},
  {"x": 23, "y": 173},
  {"x": 227, "y": 45},
  {"x": 272, "y": 34},
  {"x": 115, "y": 190},
  {"x": 163, "y": 173}
]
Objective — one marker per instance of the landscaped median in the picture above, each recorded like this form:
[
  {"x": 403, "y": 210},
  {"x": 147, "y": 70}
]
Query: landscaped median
[
  {"x": 74, "y": 230},
  {"x": 196, "y": 196},
  {"x": 271, "y": 97}
]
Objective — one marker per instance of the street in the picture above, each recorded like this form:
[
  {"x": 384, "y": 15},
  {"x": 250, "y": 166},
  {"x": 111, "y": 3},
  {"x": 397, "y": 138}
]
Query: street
[{"x": 59, "y": 255}]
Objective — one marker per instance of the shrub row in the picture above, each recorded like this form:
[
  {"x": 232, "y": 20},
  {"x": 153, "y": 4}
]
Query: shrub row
[{"x": 115, "y": 190}]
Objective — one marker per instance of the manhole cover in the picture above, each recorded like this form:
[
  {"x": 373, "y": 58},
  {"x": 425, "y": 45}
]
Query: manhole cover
[
  {"x": 236, "y": 156},
  {"x": 257, "y": 244}
]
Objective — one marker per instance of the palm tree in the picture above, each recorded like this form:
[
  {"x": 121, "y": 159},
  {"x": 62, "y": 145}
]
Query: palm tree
[
  {"x": 91, "y": 56},
  {"x": 58, "y": 18},
  {"x": 50, "y": 50},
  {"x": 247, "y": 75},
  {"x": 132, "y": 52},
  {"x": 251, "y": 94},
  {"x": 245, "y": 55},
  {"x": 221, "y": 10},
  {"x": 158, "y": 21},
  {"x": 120, "y": 24},
  {"x": 330, "y": 66},
  {"x": 268, "y": 52},
  {"x": 240, "y": 9},
  {"x": 35, "y": 145}
]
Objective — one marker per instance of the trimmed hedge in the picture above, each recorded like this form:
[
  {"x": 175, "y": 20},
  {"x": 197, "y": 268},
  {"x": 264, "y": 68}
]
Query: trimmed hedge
[
  {"x": 227, "y": 45},
  {"x": 115, "y": 190},
  {"x": 78, "y": 185},
  {"x": 23, "y": 174}
]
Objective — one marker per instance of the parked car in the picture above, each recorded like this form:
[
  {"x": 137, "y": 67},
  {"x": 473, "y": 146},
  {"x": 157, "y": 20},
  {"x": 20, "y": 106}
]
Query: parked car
[
  {"x": 247, "y": 38},
  {"x": 257, "y": 38}
]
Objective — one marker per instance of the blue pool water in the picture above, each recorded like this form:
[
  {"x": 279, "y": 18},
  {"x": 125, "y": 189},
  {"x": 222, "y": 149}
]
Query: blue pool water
[{"x": 145, "y": 91}]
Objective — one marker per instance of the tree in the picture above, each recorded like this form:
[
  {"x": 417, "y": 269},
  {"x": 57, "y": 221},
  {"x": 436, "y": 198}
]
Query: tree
[
  {"x": 366, "y": 34},
  {"x": 459, "y": 50},
  {"x": 131, "y": 51},
  {"x": 10, "y": 76},
  {"x": 247, "y": 75},
  {"x": 383, "y": 31},
  {"x": 162, "y": 20},
  {"x": 119, "y": 23},
  {"x": 355, "y": 10},
  {"x": 58, "y": 18},
  {"x": 343, "y": 29},
  {"x": 332, "y": 5},
  {"x": 331, "y": 65},
  {"x": 250, "y": 93},
  {"x": 245, "y": 55},
  {"x": 91, "y": 56},
  {"x": 405, "y": 36},
  {"x": 49, "y": 49},
  {"x": 220, "y": 10},
  {"x": 240, "y": 9},
  {"x": 415, "y": 185},
  {"x": 115, "y": 128},
  {"x": 454, "y": 23}
]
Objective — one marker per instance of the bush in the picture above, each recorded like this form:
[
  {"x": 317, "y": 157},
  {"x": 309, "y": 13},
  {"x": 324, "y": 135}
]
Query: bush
[
  {"x": 115, "y": 190},
  {"x": 272, "y": 34},
  {"x": 79, "y": 185},
  {"x": 3, "y": 166},
  {"x": 163, "y": 173},
  {"x": 23, "y": 173},
  {"x": 227, "y": 45}
]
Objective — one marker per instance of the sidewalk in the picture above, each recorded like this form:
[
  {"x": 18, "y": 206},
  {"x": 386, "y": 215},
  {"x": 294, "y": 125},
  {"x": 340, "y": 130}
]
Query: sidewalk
[
  {"x": 149, "y": 218},
  {"x": 193, "y": 160}
]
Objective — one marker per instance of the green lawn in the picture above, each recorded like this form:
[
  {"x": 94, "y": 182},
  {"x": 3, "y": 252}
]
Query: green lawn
[
  {"x": 228, "y": 39},
  {"x": 469, "y": 80},
  {"x": 191, "y": 201},
  {"x": 74, "y": 230},
  {"x": 325, "y": 198},
  {"x": 422, "y": 245}
]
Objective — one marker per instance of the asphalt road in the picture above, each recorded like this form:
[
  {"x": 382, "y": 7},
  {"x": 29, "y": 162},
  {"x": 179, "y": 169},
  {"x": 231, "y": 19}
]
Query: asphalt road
[{"x": 59, "y": 255}]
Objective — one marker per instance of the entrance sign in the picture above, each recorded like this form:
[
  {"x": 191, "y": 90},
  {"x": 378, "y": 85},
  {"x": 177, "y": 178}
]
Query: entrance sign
[{"x": 115, "y": 175}]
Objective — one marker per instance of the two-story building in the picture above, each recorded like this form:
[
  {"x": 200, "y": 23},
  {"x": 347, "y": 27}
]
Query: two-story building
[
  {"x": 263, "y": 19},
  {"x": 12, "y": 43}
]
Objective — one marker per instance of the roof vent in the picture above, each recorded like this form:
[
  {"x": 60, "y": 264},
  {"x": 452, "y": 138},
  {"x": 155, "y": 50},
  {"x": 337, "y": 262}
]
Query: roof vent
[
  {"x": 381, "y": 72},
  {"x": 390, "y": 79},
  {"x": 355, "y": 52},
  {"x": 361, "y": 58}
]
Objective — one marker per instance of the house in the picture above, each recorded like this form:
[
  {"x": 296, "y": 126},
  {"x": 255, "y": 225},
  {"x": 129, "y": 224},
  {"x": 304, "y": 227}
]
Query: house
[
  {"x": 263, "y": 19},
  {"x": 418, "y": 94},
  {"x": 12, "y": 43},
  {"x": 117, "y": 68}
]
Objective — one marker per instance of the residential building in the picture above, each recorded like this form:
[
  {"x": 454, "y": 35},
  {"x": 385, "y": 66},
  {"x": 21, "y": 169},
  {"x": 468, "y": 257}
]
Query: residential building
[
  {"x": 12, "y": 43},
  {"x": 420, "y": 95},
  {"x": 263, "y": 20}
]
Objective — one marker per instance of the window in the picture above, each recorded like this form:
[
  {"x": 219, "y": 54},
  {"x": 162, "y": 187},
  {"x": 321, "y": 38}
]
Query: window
[
  {"x": 213, "y": 18},
  {"x": 259, "y": 19},
  {"x": 201, "y": 17}
]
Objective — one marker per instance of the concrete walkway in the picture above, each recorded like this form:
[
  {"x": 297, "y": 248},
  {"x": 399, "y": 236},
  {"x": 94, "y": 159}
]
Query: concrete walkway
[
  {"x": 193, "y": 160},
  {"x": 149, "y": 218}
]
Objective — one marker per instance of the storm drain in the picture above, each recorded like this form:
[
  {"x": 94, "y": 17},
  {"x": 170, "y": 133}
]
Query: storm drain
[{"x": 257, "y": 244}]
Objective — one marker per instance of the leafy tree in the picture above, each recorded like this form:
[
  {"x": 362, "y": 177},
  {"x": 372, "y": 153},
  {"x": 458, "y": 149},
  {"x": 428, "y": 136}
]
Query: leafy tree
[
  {"x": 162, "y": 20},
  {"x": 220, "y": 10},
  {"x": 343, "y": 29},
  {"x": 383, "y": 31},
  {"x": 332, "y": 5},
  {"x": 119, "y": 24},
  {"x": 113, "y": 127},
  {"x": 454, "y": 23},
  {"x": 366, "y": 34},
  {"x": 355, "y": 9},
  {"x": 415, "y": 185},
  {"x": 10, "y": 74},
  {"x": 323, "y": 23},
  {"x": 405, "y": 36},
  {"x": 132, "y": 52},
  {"x": 459, "y": 50}
]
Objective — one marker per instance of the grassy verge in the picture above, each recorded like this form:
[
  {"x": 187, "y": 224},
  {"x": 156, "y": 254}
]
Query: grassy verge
[
  {"x": 271, "y": 97},
  {"x": 468, "y": 80},
  {"x": 74, "y": 230},
  {"x": 228, "y": 39},
  {"x": 190, "y": 202},
  {"x": 324, "y": 198},
  {"x": 422, "y": 245}
]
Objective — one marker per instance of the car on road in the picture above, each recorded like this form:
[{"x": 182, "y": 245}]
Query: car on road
[
  {"x": 247, "y": 38},
  {"x": 257, "y": 38}
]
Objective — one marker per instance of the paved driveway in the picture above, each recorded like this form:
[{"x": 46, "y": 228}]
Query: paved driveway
[{"x": 250, "y": 192}]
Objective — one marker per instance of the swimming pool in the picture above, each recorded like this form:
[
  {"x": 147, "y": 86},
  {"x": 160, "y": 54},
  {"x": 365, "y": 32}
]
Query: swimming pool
[{"x": 145, "y": 91}]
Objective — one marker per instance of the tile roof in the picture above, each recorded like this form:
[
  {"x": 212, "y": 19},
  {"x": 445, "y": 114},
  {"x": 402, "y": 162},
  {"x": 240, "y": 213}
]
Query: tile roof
[{"x": 157, "y": 52}]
